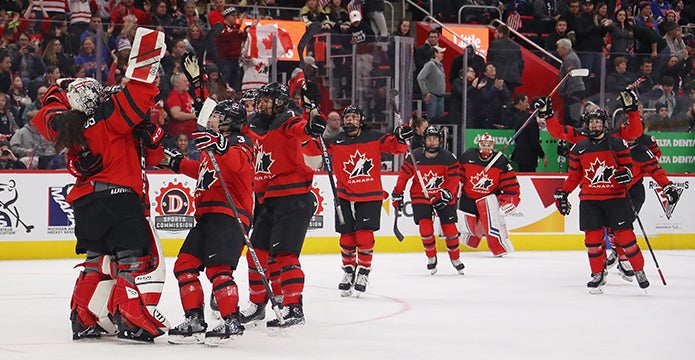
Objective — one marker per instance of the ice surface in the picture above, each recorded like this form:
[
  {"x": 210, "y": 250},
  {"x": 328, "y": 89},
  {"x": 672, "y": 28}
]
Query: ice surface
[{"x": 529, "y": 305}]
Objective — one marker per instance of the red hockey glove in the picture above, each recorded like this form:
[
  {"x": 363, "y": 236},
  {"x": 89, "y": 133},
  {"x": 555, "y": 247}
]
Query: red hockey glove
[
  {"x": 208, "y": 140},
  {"x": 397, "y": 201},
  {"x": 508, "y": 203},
  {"x": 149, "y": 133},
  {"x": 623, "y": 176},
  {"x": 85, "y": 165},
  {"x": 441, "y": 198},
  {"x": 561, "y": 202}
]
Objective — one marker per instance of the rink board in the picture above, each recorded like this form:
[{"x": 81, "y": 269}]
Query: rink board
[{"x": 37, "y": 223}]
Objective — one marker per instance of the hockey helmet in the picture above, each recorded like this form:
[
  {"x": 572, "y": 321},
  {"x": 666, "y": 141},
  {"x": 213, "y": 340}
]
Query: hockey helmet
[
  {"x": 595, "y": 114},
  {"x": 249, "y": 95},
  {"x": 84, "y": 94},
  {"x": 353, "y": 109},
  {"x": 279, "y": 93},
  {"x": 231, "y": 114},
  {"x": 486, "y": 145},
  {"x": 433, "y": 131}
]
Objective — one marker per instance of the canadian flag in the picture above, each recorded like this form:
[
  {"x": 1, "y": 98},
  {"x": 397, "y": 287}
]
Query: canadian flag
[{"x": 261, "y": 44}]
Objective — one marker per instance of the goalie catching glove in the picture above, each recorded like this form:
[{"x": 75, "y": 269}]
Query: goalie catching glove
[
  {"x": 397, "y": 201},
  {"x": 208, "y": 140},
  {"x": 561, "y": 202},
  {"x": 316, "y": 124},
  {"x": 172, "y": 160},
  {"x": 440, "y": 198}
]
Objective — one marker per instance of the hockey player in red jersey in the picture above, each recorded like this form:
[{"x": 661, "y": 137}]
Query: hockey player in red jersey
[
  {"x": 215, "y": 242},
  {"x": 282, "y": 185},
  {"x": 110, "y": 223},
  {"x": 601, "y": 166},
  {"x": 440, "y": 174},
  {"x": 356, "y": 156},
  {"x": 487, "y": 197}
]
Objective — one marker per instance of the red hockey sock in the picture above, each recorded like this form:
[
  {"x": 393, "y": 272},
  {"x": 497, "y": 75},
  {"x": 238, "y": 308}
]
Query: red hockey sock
[
  {"x": 348, "y": 249},
  {"x": 593, "y": 239},
  {"x": 257, "y": 292},
  {"x": 291, "y": 276},
  {"x": 627, "y": 241},
  {"x": 365, "y": 247},
  {"x": 427, "y": 235},
  {"x": 224, "y": 288},
  {"x": 451, "y": 236}
]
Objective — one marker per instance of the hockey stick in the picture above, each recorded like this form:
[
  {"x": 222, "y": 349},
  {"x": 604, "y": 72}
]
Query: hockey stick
[
  {"x": 274, "y": 304},
  {"x": 634, "y": 211},
  {"x": 572, "y": 73},
  {"x": 396, "y": 232},
  {"x": 312, "y": 30},
  {"x": 329, "y": 169}
]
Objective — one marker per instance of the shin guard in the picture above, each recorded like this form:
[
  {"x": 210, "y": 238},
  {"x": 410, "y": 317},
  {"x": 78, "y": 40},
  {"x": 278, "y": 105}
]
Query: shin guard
[
  {"x": 348, "y": 249},
  {"x": 365, "y": 247},
  {"x": 187, "y": 270},
  {"x": 427, "y": 235},
  {"x": 593, "y": 240},
  {"x": 451, "y": 236},
  {"x": 627, "y": 241},
  {"x": 224, "y": 289},
  {"x": 292, "y": 278}
]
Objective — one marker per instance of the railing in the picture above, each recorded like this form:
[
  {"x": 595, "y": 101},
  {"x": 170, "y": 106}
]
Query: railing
[
  {"x": 479, "y": 7},
  {"x": 528, "y": 41}
]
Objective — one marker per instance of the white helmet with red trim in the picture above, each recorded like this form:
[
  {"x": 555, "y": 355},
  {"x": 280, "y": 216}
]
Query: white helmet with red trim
[{"x": 486, "y": 145}]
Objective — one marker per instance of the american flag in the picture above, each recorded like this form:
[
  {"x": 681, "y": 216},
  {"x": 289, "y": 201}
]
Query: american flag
[{"x": 514, "y": 20}]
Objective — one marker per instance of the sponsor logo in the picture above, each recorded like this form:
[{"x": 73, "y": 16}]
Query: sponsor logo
[
  {"x": 175, "y": 207},
  {"x": 61, "y": 218},
  {"x": 316, "y": 221},
  {"x": 10, "y": 219}
]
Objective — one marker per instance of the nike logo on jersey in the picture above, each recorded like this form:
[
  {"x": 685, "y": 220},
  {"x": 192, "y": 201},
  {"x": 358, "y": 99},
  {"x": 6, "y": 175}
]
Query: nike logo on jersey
[
  {"x": 275, "y": 244},
  {"x": 582, "y": 150},
  {"x": 339, "y": 141},
  {"x": 212, "y": 255},
  {"x": 471, "y": 161},
  {"x": 366, "y": 219},
  {"x": 621, "y": 222}
]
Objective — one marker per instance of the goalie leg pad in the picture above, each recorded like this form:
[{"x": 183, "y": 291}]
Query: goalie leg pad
[
  {"x": 427, "y": 234},
  {"x": 494, "y": 225},
  {"x": 470, "y": 230},
  {"x": 627, "y": 241},
  {"x": 348, "y": 249},
  {"x": 224, "y": 289},
  {"x": 187, "y": 270},
  {"x": 451, "y": 236},
  {"x": 257, "y": 294},
  {"x": 291, "y": 277},
  {"x": 91, "y": 294},
  {"x": 593, "y": 240}
]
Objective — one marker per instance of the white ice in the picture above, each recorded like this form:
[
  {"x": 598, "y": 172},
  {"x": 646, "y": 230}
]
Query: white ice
[{"x": 529, "y": 305}]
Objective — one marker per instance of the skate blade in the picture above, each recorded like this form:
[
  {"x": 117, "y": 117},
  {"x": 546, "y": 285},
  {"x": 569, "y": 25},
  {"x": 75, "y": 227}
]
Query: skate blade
[
  {"x": 214, "y": 341},
  {"x": 186, "y": 340},
  {"x": 345, "y": 293},
  {"x": 433, "y": 271},
  {"x": 625, "y": 277},
  {"x": 253, "y": 323},
  {"x": 460, "y": 272},
  {"x": 286, "y": 330},
  {"x": 596, "y": 291}
]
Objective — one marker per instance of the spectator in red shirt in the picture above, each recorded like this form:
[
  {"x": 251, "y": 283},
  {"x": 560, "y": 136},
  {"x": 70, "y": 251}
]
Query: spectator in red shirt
[
  {"x": 215, "y": 15},
  {"x": 180, "y": 104},
  {"x": 126, "y": 8},
  {"x": 229, "y": 48}
]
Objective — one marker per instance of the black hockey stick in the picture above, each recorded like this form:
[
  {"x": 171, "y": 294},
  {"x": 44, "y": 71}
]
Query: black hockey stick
[
  {"x": 634, "y": 211},
  {"x": 396, "y": 232},
  {"x": 266, "y": 284},
  {"x": 312, "y": 30}
]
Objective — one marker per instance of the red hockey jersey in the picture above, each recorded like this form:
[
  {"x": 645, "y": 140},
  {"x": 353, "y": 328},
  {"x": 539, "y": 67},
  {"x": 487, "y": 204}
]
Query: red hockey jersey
[
  {"x": 439, "y": 172},
  {"x": 499, "y": 179},
  {"x": 630, "y": 130},
  {"x": 644, "y": 163},
  {"x": 236, "y": 166},
  {"x": 357, "y": 163}
]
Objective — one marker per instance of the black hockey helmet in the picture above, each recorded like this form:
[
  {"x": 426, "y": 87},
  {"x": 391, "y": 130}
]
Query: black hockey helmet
[
  {"x": 594, "y": 114},
  {"x": 353, "y": 109},
  {"x": 231, "y": 113},
  {"x": 432, "y": 131},
  {"x": 280, "y": 94},
  {"x": 249, "y": 95}
]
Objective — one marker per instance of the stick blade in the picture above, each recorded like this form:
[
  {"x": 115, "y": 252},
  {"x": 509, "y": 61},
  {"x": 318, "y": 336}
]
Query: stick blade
[
  {"x": 206, "y": 111},
  {"x": 579, "y": 72},
  {"x": 397, "y": 232}
]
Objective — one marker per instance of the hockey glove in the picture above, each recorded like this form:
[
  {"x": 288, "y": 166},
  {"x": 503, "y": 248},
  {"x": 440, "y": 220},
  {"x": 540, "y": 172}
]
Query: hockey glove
[
  {"x": 197, "y": 106},
  {"x": 150, "y": 134},
  {"x": 172, "y": 160},
  {"x": 628, "y": 98},
  {"x": 208, "y": 140},
  {"x": 311, "y": 95},
  {"x": 316, "y": 124},
  {"x": 403, "y": 133},
  {"x": 545, "y": 107},
  {"x": 561, "y": 202},
  {"x": 397, "y": 201},
  {"x": 623, "y": 175},
  {"x": 508, "y": 203},
  {"x": 86, "y": 164},
  {"x": 191, "y": 68},
  {"x": 441, "y": 198},
  {"x": 671, "y": 193}
]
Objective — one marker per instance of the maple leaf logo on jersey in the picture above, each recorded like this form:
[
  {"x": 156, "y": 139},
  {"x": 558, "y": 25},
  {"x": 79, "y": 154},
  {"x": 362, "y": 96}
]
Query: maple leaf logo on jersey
[
  {"x": 358, "y": 165},
  {"x": 480, "y": 181},
  {"x": 264, "y": 160},
  {"x": 432, "y": 180},
  {"x": 599, "y": 173},
  {"x": 206, "y": 178}
]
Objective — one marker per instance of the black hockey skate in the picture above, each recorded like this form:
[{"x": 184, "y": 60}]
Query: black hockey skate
[
  {"x": 432, "y": 265},
  {"x": 348, "y": 281},
  {"x": 362, "y": 279},
  {"x": 611, "y": 258},
  {"x": 191, "y": 331},
  {"x": 253, "y": 314},
  {"x": 80, "y": 331},
  {"x": 458, "y": 265},
  {"x": 222, "y": 333},
  {"x": 625, "y": 270},
  {"x": 642, "y": 279},
  {"x": 291, "y": 314},
  {"x": 597, "y": 280},
  {"x": 128, "y": 331}
]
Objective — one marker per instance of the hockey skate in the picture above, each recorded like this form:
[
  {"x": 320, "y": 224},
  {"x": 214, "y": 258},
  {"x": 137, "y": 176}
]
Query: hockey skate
[
  {"x": 80, "y": 331},
  {"x": 222, "y": 333},
  {"x": 642, "y": 279},
  {"x": 361, "y": 280},
  {"x": 611, "y": 258},
  {"x": 345, "y": 285},
  {"x": 190, "y": 331},
  {"x": 597, "y": 280},
  {"x": 130, "y": 331},
  {"x": 291, "y": 314},
  {"x": 253, "y": 314},
  {"x": 213, "y": 306},
  {"x": 625, "y": 270},
  {"x": 432, "y": 265},
  {"x": 458, "y": 265}
]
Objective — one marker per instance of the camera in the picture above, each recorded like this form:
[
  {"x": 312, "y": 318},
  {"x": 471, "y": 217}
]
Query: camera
[{"x": 6, "y": 152}]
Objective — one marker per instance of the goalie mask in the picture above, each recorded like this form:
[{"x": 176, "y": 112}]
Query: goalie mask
[
  {"x": 595, "y": 130},
  {"x": 273, "y": 99},
  {"x": 231, "y": 115},
  {"x": 486, "y": 145},
  {"x": 84, "y": 94},
  {"x": 431, "y": 145},
  {"x": 351, "y": 127}
]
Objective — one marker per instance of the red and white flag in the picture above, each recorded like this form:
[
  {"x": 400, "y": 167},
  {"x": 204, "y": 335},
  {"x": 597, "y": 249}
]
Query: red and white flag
[{"x": 261, "y": 44}]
